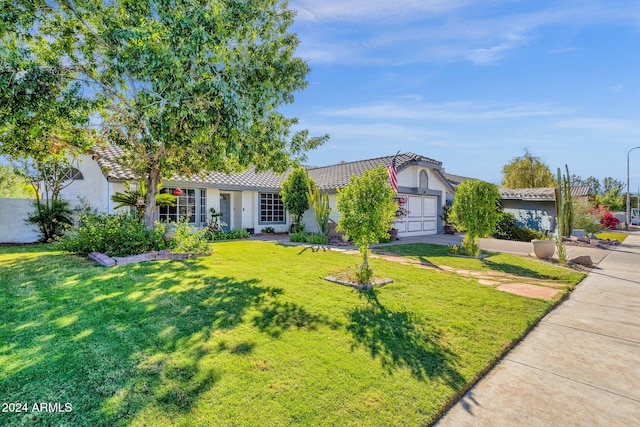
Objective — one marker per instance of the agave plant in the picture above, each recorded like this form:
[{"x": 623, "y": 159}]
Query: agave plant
[{"x": 135, "y": 198}]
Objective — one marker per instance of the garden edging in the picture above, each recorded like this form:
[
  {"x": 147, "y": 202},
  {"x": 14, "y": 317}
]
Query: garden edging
[{"x": 108, "y": 261}]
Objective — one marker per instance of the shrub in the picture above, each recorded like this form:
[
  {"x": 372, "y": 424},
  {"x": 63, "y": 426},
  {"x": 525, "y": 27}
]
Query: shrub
[
  {"x": 609, "y": 221},
  {"x": 586, "y": 217},
  {"x": 114, "y": 235},
  {"x": 298, "y": 237},
  {"x": 238, "y": 233},
  {"x": 269, "y": 230},
  {"x": 311, "y": 238},
  {"x": 190, "y": 240},
  {"x": 508, "y": 229},
  {"x": 52, "y": 220},
  {"x": 317, "y": 239}
]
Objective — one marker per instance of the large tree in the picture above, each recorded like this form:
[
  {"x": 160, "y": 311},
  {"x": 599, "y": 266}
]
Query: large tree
[
  {"x": 527, "y": 171},
  {"x": 193, "y": 85}
]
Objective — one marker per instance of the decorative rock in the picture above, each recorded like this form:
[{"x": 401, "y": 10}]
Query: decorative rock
[{"x": 582, "y": 260}]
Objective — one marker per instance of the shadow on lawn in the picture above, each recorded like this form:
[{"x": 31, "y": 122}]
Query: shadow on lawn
[
  {"x": 113, "y": 342},
  {"x": 515, "y": 270},
  {"x": 399, "y": 340}
]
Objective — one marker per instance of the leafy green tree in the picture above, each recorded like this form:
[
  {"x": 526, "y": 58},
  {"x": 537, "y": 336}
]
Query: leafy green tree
[
  {"x": 475, "y": 210},
  {"x": 192, "y": 85},
  {"x": 13, "y": 185},
  {"x": 527, "y": 171},
  {"x": 612, "y": 185},
  {"x": 367, "y": 210},
  {"x": 294, "y": 195}
]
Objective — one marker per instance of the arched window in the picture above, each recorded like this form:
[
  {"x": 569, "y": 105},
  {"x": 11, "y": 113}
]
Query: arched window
[
  {"x": 73, "y": 174},
  {"x": 424, "y": 181}
]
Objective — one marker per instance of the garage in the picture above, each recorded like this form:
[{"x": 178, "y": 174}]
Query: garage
[{"x": 421, "y": 216}]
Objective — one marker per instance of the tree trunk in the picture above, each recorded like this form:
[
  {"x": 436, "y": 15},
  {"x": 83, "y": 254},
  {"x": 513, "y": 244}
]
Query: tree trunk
[{"x": 153, "y": 179}]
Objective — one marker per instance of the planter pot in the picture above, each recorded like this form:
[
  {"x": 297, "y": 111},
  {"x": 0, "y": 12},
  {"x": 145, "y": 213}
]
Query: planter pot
[
  {"x": 393, "y": 234},
  {"x": 544, "y": 248},
  {"x": 449, "y": 229}
]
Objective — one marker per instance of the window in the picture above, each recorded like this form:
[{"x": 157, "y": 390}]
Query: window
[
  {"x": 271, "y": 209},
  {"x": 73, "y": 174},
  {"x": 424, "y": 181},
  {"x": 190, "y": 204}
]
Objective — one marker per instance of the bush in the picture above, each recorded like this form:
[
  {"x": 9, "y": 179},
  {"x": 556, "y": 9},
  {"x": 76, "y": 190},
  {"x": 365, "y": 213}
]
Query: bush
[
  {"x": 269, "y": 230},
  {"x": 317, "y": 239},
  {"x": 298, "y": 237},
  {"x": 238, "y": 233},
  {"x": 311, "y": 238},
  {"x": 52, "y": 220},
  {"x": 609, "y": 221},
  {"x": 190, "y": 240},
  {"x": 508, "y": 229},
  {"x": 114, "y": 235}
]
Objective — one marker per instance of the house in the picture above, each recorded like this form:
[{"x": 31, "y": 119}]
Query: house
[
  {"x": 251, "y": 200},
  {"x": 536, "y": 207}
]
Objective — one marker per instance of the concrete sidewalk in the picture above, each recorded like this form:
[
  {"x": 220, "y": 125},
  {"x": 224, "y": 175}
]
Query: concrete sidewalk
[{"x": 579, "y": 366}]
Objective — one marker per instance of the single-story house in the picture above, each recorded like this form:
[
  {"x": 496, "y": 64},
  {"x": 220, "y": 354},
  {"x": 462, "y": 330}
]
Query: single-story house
[
  {"x": 251, "y": 200},
  {"x": 536, "y": 207}
]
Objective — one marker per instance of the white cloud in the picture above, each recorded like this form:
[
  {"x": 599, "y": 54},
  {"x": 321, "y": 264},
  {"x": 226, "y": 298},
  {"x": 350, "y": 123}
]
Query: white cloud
[
  {"x": 357, "y": 10},
  {"x": 600, "y": 125},
  {"x": 415, "y": 31},
  {"x": 447, "y": 112}
]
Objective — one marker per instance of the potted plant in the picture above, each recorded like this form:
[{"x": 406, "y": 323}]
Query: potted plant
[
  {"x": 446, "y": 215},
  {"x": 401, "y": 213}
]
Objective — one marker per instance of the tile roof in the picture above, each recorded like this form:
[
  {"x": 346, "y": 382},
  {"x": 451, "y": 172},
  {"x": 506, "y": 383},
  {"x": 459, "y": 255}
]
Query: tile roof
[
  {"x": 337, "y": 176},
  {"x": 455, "y": 180},
  {"x": 541, "y": 194},
  {"x": 326, "y": 177}
]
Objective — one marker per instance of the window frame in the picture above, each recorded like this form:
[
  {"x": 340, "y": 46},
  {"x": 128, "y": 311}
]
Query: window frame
[
  {"x": 274, "y": 214},
  {"x": 191, "y": 203}
]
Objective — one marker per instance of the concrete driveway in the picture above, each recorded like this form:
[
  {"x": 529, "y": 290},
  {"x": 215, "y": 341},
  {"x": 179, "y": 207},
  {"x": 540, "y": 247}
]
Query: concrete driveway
[{"x": 579, "y": 366}]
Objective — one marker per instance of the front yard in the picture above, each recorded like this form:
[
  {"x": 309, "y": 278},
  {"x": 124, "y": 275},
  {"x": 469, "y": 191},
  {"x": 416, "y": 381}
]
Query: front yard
[{"x": 251, "y": 335}]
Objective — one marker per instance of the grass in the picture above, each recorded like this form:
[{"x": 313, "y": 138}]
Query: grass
[
  {"x": 251, "y": 335},
  {"x": 612, "y": 235},
  {"x": 512, "y": 264}
]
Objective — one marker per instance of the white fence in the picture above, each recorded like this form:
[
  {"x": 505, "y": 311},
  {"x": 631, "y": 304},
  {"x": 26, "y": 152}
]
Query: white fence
[{"x": 13, "y": 227}]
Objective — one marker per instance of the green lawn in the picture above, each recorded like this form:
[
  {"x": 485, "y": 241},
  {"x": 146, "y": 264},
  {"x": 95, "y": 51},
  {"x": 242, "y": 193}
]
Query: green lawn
[
  {"x": 506, "y": 263},
  {"x": 250, "y": 336}
]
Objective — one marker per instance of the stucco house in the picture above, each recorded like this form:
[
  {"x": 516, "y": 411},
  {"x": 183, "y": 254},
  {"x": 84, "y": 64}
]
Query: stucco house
[
  {"x": 251, "y": 200},
  {"x": 536, "y": 207}
]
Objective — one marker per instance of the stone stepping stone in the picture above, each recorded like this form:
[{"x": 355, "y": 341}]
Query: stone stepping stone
[
  {"x": 527, "y": 290},
  {"x": 488, "y": 282}
]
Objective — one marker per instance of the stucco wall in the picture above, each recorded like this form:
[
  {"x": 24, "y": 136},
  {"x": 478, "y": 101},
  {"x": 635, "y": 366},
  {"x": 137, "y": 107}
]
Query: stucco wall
[
  {"x": 13, "y": 228},
  {"x": 93, "y": 188},
  {"x": 532, "y": 214}
]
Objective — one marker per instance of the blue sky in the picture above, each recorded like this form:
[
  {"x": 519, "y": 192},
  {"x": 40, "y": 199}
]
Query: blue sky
[{"x": 474, "y": 83}]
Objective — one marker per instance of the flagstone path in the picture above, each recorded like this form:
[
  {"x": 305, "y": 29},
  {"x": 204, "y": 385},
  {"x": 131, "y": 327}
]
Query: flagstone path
[{"x": 524, "y": 286}]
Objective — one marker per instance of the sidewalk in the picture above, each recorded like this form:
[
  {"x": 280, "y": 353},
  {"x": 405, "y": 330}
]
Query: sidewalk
[{"x": 579, "y": 366}]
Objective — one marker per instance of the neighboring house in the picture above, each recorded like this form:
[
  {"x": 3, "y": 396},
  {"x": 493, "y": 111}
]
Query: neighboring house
[
  {"x": 251, "y": 200},
  {"x": 536, "y": 207}
]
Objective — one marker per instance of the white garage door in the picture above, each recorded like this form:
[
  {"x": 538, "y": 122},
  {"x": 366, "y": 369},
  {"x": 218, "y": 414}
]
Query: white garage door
[{"x": 422, "y": 216}]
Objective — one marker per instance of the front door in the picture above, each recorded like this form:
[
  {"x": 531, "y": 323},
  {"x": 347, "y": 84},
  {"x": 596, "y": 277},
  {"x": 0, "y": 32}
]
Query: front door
[{"x": 225, "y": 209}]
